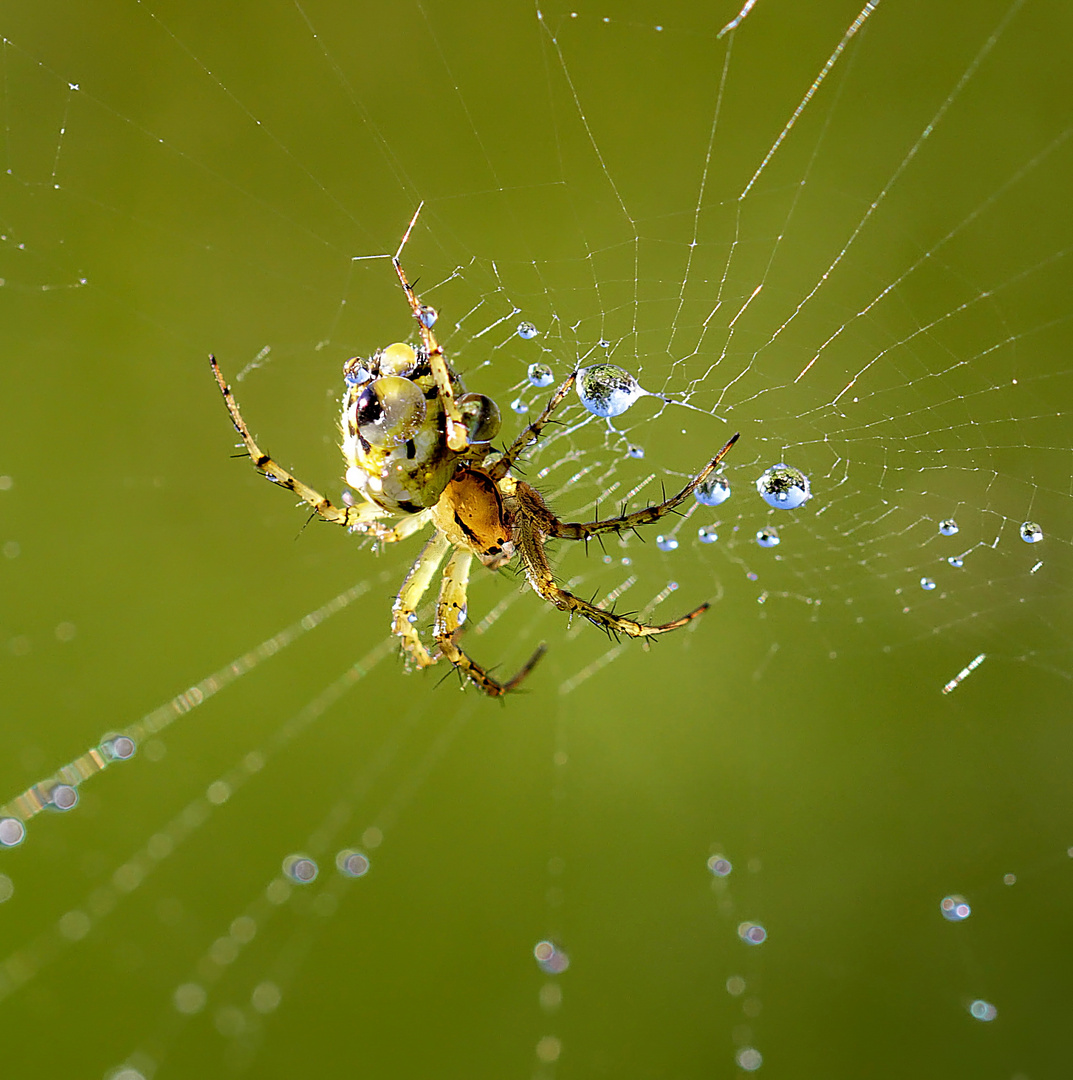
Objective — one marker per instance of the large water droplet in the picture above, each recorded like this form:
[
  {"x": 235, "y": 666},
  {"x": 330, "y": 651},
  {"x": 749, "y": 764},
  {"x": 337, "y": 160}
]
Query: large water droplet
[
  {"x": 541, "y": 375},
  {"x": 713, "y": 492},
  {"x": 783, "y": 487},
  {"x": 606, "y": 390}
]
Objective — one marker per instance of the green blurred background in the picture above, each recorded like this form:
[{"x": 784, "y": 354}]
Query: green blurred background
[{"x": 211, "y": 179}]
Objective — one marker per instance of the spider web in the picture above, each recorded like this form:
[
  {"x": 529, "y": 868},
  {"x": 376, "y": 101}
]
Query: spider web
[{"x": 843, "y": 232}]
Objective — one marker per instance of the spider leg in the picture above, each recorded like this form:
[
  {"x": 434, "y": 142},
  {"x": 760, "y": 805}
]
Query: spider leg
[
  {"x": 404, "y": 611},
  {"x": 361, "y": 518},
  {"x": 575, "y": 530},
  {"x": 457, "y": 435},
  {"x": 450, "y": 615},
  {"x": 532, "y": 432},
  {"x": 529, "y": 543}
]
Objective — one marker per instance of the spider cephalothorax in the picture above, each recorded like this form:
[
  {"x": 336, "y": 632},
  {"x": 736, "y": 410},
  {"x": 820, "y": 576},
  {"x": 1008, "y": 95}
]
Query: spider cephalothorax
[{"x": 418, "y": 448}]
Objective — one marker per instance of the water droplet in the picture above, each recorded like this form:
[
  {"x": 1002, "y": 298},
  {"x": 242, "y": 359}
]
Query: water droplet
[
  {"x": 1031, "y": 533},
  {"x": 519, "y": 405},
  {"x": 955, "y": 908},
  {"x": 428, "y": 316},
  {"x": 719, "y": 866},
  {"x": 752, "y": 933},
  {"x": 300, "y": 868},
  {"x": 527, "y": 330},
  {"x": 983, "y": 1010},
  {"x": 767, "y": 538},
  {"x": 714, "y": 491},
  {"x": 749, "y": 1058},
  {"x": 927, "y": 584},
  {"x": 707, "y": 535},
  {"x": 551, "y": 958},
  {"x": 948, "y": 527},
  {"x": 12, "y": 832},
  {"x": 121, "y": 748},
  {"x": 355, "y": 373},
  {"x": 783, "y": 487},
  {"x": 63, "y": 797},
  {"x": 666, "y": 543},
  {"x": 541, "y": 375},
  {"x": 189, "y": 998},
  {"x": 635, "y": 451},
  {"x": 606, "y": 390},
  {"x": 352, "y": 863},
  {"x": 956, "y": 560},
  {"x": 603, "y": 343}
]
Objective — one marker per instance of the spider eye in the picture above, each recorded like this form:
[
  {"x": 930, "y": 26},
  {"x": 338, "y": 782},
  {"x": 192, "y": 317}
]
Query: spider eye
[
  {"x": 481, "y": 417},
  {"x": 397, "y": 359},
  {"x": 389, "y": 411}
]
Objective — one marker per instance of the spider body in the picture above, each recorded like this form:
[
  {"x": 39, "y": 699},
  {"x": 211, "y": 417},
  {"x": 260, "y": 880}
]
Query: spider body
[{"x": 418, "y": 447}]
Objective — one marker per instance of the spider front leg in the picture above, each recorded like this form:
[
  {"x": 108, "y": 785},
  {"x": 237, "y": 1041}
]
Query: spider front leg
[
  {"x": 529, "y": 542},
  {"x": 532, "y": 432},
  {"x": 362, "y": 518},
  {"x": 576, "y": 530},
  {"x": 457, "y": 434},
  {"x": 450, "y": 616}
]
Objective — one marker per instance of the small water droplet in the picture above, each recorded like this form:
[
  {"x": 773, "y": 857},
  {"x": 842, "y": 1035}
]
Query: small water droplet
[
  {"x": 948, "y": 527},
  {"x": 767, "y": 538},
  {"x": 352, "y": 863},
  {"x": 955, "y": 908},
  {"x": 666, "y": 543},
  {"x": 707, "y": 535},
  {"x": 1031, "y": 533},
  {"x": 956, "y": 560},
  {"x": 783, "y": 487},
  {"x": 927, "y": 584},
  {"x": 63, "y": 797},
  {"x": 719, "y": 866},
  {"x": 606, "y": 390},
  {"x": 527, "y": 330},
  {"x": 428, "y": 316},
  {"x": 519, "y": 405},
  {"x": 713, "y": 492},
  {"x": 12, "y": 832},
  {"x": 551, "y": 958},
  {"x": 635, "y": 451},
  {"x": 300, "y": 868},
  {"x": 541, "y": 375},
  {"x": 983, "y": 1010},
  {"x": 752, "y": 933}
]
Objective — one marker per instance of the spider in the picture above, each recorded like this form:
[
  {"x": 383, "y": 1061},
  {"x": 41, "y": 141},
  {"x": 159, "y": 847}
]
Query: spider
[{"x": 418, "y": 448}]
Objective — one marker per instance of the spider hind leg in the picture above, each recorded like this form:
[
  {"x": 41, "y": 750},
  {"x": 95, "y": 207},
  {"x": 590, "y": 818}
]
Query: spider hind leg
[{"x": 450, "y": 616}]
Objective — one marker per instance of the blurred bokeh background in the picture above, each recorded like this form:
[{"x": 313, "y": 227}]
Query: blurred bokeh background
[{"x": 180, "y": 179}]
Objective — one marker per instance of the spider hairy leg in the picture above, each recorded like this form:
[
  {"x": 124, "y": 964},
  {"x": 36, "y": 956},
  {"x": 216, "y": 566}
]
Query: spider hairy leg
[
  {"x": 450, "y": 616},
  {"x": 532, "y": 432},
  {"x": 576, "y": 530},
  {"x": 457, "y": 436},
  {"x": 404, "y": 611},
  {"x": 538, "y": 571},
  {"x": 362, "y": 518}
]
